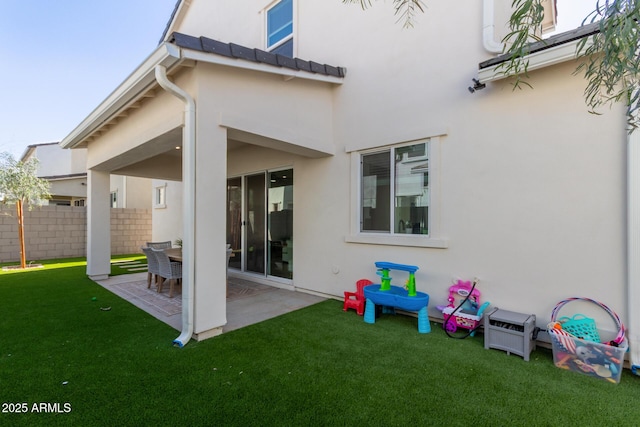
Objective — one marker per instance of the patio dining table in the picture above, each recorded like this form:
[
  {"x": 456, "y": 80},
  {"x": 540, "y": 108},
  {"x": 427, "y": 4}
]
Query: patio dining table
[{"x": 175, "y": 254}]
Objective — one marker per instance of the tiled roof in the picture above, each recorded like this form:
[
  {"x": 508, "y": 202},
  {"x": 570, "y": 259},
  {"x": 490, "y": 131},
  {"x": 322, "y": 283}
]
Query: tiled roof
[
  {"x": 173, "y": 15},
  {"x": 237, "y": 51}
]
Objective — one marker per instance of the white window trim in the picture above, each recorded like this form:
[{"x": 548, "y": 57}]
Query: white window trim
[
  {"x": 294, "y": 5},
  {"x": 434, "y": 239},
  {"x": 157, "y": 188}
]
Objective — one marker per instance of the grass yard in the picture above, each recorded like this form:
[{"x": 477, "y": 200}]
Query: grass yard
[{"x": 316, "y": 366}]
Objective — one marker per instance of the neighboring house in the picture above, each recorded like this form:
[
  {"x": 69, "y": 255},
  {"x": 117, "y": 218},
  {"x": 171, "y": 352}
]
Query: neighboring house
[
  {"x": 66, "y": 171},
  {"x": 381, "y": 155},
  {"x": 130, "y": 192}
]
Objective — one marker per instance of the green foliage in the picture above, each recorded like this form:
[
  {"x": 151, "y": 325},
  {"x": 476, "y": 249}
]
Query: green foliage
[
  {"x": 611, "y": 64},
  {"x": 610, "y": 60},
  {"x": 406, "y": 10},
  {"x": 524, "y": 25},
  {"x": 19, "y": 182}
]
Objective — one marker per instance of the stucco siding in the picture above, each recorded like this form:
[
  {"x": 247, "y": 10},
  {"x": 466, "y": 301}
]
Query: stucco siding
[
  {"x": 532, "y": 198},
  {"x": 167, "y": 219},
  {"x": 528, "y": 190}
]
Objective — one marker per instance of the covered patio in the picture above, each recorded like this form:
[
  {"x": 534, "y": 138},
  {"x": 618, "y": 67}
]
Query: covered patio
[
  {"x": 179, "y": 117},
  {"x": 247, "y": 302}
]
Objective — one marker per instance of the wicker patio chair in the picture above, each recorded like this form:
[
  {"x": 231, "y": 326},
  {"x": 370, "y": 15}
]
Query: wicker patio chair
[
  {"x": 159, "y": 245},
  {"x": 169, "y": 270},
  {"x": 153, "y": 268}
]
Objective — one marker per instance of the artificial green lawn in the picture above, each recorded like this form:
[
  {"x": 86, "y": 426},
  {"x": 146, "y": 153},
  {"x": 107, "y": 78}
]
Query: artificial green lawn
[{"x": 315, "y": 366}]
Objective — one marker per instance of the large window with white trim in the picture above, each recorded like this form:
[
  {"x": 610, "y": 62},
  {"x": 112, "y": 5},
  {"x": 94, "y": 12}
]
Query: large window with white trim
[
  {"x": 395, "y": 196},
  {"x": 279, "y": 27}
]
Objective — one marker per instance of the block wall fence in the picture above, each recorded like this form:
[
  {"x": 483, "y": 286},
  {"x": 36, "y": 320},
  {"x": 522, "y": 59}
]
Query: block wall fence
[{"x": 61, "y": 232}]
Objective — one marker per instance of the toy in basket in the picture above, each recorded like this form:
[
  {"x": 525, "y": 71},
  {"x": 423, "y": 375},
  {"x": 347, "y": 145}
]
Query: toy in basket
[
  {"x": 576, "y": 343},
  {"x": 463, "y": 310}
]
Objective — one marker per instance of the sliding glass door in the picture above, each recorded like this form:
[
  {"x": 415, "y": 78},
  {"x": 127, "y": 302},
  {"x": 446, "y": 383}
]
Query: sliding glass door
[
  {"x": 280, "y": 223},
  {"x": 234, "y": 221},
  {"x": 255, "y": 223},
  {"x": 260, "y": 223}
]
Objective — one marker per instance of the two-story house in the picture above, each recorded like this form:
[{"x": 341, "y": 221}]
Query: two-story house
[
  {"x": 317, "y": 138},
  {"x": 66, "y": 171}
]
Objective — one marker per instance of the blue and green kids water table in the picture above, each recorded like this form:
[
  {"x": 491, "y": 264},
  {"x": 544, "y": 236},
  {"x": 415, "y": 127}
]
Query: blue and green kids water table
[{"x": 391, "y": 297}]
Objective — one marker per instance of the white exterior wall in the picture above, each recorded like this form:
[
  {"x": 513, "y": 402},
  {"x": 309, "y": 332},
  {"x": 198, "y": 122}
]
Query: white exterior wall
[
  {"x": 52, "y": 160},
  {"x": 138, "y": 194},
  {"x": 74, "y": 187},
  {"x": 132, "y": 192},
  {"x": 528, "y": 189},
  {"x": 532, "y": 186},
  {"x": 167, "y": 219}
]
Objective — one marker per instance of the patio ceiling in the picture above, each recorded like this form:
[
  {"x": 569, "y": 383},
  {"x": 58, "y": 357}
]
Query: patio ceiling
[{"x": 159, "y": 158}]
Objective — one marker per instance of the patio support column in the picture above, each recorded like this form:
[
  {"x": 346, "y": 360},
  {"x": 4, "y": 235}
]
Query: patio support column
[
  {"x": 210, "y": 226},
  {"x": 98, "y": 225}
]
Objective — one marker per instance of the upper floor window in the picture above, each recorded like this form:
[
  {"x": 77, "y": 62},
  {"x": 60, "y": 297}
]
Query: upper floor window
[{"x": 280, "y": 28}]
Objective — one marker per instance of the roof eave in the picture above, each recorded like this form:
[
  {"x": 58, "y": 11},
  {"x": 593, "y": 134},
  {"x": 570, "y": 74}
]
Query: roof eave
[
  {"x": 286, "y": 73},
  {"x": 170, "y": 56},
  {"x": 554, "y": 50},
  {"x": 537, "y": 60}
]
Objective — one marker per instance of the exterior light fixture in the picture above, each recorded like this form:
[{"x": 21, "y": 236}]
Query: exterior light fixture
[{"x": 476, "y": 86}]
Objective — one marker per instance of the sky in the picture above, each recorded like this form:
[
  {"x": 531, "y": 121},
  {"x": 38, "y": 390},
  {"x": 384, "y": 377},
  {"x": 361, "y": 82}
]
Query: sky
[{"x": 61, "y": 58}]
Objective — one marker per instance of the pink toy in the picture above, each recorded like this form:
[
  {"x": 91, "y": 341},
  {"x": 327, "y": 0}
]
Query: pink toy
[{"x": 463, "y": 312}]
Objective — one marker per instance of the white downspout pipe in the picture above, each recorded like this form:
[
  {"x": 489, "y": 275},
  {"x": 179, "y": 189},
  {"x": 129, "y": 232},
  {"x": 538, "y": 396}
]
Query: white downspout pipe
[
  {"x": 633, "y": 250},
  {"x": 188, "y": 204},
  {"x": 489, "y": 28}
]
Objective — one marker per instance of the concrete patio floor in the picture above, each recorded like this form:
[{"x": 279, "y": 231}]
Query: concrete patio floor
[{"x": 247, "y": 302}]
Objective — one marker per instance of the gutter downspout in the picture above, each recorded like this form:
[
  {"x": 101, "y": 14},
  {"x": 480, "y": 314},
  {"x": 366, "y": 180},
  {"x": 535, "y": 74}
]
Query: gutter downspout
[
  {"x": 633, "y": 250},
  {"x": 188, "y": 205},
  {"x": 489, "y": 28}
]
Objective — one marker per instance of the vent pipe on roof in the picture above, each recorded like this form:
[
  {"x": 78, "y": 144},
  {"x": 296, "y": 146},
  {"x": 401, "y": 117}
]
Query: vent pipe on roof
[
  {"x": 489, "y": 29},
  {"x": 188, "y": 205}
]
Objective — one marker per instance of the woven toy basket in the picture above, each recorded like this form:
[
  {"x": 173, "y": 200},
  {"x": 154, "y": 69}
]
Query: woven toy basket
[
  {"x": 580, "y": 326},
  {"x": 587, "y": 356}
]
